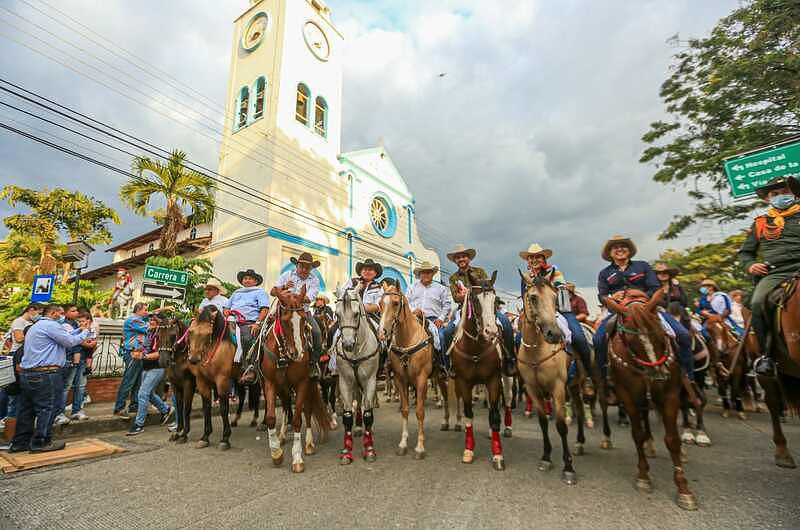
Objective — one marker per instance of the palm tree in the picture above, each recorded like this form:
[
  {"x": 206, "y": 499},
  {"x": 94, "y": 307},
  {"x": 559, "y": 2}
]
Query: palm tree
[{"x": 180, "y": 187}]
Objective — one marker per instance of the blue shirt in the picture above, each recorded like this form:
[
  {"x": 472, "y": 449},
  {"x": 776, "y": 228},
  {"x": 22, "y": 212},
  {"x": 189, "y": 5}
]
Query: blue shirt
[
  {"x": 249, "y": 301},
  {"x": 135, "y": 332},
  {"x": 638, "y": 275},
  {"x": 46, "y": 344}
]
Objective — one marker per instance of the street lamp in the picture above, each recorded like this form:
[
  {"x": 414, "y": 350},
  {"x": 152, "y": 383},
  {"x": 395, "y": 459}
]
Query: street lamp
[{"x": 78, "y": 253}]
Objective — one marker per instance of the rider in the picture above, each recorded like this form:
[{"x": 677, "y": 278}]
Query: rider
[
  {"x": 775, "y": 237},
  {"x": 623, "y": 274},
  {"x": 249, "y": 303},
  {"x": 459, "y": 283},
  {"x": 321, "y": 307},
  {"x": 215, "y": 294},
  {"x": 673, "y": 292},
  {"x": 371, "y": 292},
  {"x": 715, "y": 302},
  {"x": 292, "y": 281},
  {"x": 430, "y": 300},
  {"x": 536, "y": 257},
  {"x": 578, "y": 305}
]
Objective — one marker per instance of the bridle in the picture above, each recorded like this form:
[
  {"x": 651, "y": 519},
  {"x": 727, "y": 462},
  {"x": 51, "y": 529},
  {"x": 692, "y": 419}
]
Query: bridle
[
  {"x": 170, "y": 350},
  {"x": 641, "y": 366},
  {"x": 279, "y": 334},
  {"x": 403, "y": 353},
  {"x": 345, "y": 300},
  {"x": 533, "y": 318},
  {"x": 361, "y": 314}
]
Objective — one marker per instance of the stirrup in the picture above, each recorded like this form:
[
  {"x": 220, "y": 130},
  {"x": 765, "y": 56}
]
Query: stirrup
[
  {"x": 764, "y": 366},
  {"x": 249, "y": 375}
]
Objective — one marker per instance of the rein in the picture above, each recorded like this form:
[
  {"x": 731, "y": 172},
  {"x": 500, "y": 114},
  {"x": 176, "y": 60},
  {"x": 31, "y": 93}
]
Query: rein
[
  {"x": 216, "y": 347},
  {"x": 404, "y": 353}
]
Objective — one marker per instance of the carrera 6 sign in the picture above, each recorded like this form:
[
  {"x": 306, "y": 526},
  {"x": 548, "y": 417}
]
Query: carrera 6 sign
[
  {"x": 748, "y": 172},
  {"x": 168, "y": 276}
]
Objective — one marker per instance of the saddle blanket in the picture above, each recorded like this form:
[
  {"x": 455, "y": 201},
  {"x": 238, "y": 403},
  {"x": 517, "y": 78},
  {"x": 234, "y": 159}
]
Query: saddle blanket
[
  {"x": 435, "y": 332},
  {"x": 237, "y": 358},
  {"x": 664, "y": 324}
]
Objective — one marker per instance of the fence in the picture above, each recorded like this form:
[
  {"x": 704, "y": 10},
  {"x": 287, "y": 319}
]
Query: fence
[{"x": 107, "y": 358}]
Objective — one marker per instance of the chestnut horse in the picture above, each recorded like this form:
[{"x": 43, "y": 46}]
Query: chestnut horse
[
  {"x": 411, "y": 358},
  {"x": 730, "y": 379},
  {"x": 172, "y": 345},
  {"x": 643, "y": 363},
  {"x": 477, "y": 360},
  {"x": 285, "y": 366}
]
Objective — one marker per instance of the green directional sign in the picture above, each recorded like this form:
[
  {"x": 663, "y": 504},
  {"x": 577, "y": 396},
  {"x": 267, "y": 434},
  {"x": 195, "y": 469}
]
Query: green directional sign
[
  {"x": 168, "y": 276},
  {"x": 748, "y": 172}
]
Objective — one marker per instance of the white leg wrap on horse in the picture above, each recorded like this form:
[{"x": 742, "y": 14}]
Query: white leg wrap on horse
[
  {"x": 297, "y": 449},
  {"x": 404, "y": 435},
  {"x": 309, "y": 437},
  {"x": 274, "y": 443}
]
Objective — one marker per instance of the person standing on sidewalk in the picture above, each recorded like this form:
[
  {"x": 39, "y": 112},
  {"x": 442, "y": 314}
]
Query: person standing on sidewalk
[
  {"x": 76, "y": 377},
  {"x": 41, "y": 381},
  {"x": 70, "y": 325},
  {"x": 151, "y": 377},
  {"x": 134, "y": 338},
  {"x": 8, "y": 396}
]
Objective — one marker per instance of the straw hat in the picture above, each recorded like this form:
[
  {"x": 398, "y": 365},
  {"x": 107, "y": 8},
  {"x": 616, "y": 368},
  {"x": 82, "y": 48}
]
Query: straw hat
[
  {"x": 606, "y": 253},
  {"x": 216, "y": 284},
  {"x": 663, "y": 267},
  {"x": 461, "y": 249},
  {"x": 324, "y": 298},
  {"x": 306, "y": 258},
  {"x": 426, "y": 266},
  {"x": 708, "y": 282},
  {"x": 571, "y": 287},
  {"x": 536, "y": 249}
]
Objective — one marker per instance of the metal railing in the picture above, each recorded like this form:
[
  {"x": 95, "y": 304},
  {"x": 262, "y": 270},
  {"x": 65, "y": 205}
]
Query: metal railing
[{"x": 107, "y": 358}]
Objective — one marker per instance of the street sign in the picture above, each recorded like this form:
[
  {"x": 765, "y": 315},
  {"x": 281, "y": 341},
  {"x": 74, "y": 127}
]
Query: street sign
[
  {"x": 163, "y": 275},
  {"x": 165, "y": 292},
  {"x": 42, "y": 290},
  {"x": 748, "y": 172}
]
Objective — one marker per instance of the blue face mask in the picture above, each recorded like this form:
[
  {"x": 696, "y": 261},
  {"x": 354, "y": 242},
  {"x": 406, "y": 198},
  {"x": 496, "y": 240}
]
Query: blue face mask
[
  {"x": 783, "y": 201},
  {"x": 704, "y": 290},
  {"x": 62, "y": 319},
  {"x": 35, "y": 318}
]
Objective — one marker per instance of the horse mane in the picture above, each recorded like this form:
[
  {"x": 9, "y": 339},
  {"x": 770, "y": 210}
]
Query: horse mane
[
  {"x": 647, "y": 321},
  {"x": 210, "y": 314}
]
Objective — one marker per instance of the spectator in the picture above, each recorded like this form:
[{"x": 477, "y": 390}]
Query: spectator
[
  {"x": 151, "y": 377},
  {"x": 72, "y": 358},
  {"x": 41, "y": 381},
  {"x": 8, "y": 402},
  {"x": 134, "y": 339},
  {"x": 76, "y": 377},
  {"x": 577, "y": 303}
]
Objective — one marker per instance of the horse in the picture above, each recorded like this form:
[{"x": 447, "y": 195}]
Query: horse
[
  {"x": 357, "y": 360},
  {"x": 211, "y": 361},
  {"x": 284, "y": 366},
  {"x": 252, "y": 392},
  {"x": 784, "y": 389},
  {"x": 411, "y": 358},
  {"x": 644, "y": 364},
  {"x": 477, "y": 359},
  {"x": 600, "y": 395},
  {"x": 172, "y": 345},
  {"x": 543, "y": 364},
  {"x": 730, "y": 379},
  {"x": 328, "y": 378}
]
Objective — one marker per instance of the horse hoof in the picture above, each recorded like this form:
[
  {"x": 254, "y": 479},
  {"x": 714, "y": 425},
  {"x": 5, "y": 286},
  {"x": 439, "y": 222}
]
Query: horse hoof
[
  {"x": 282, "y": 441},
  {"x": 468, "y": 457},
  {"x": 785, "y": 461},
  {"x": 725, "y": 414},
  {"x": 254, "y": 423},
  {"x": 261, "y": 428},
  {"x": 234, "y": 423},
  {"x": 445, "y": 427},
  {"x": 370, "y": 457},
  {"x": 606, "y": 444},
  {"x": 277, "y": 460},
  {"x": 438, "y": 404},
  {"x": 528, "y": 414},
  {"x": 419, "y": 455},
  {"x": 570, "y": 478},
  {"x": 499, "y": 465},
  {"x": 644, "y": 485},
  {"x": 345, "y": 460},
  {"x": 545, "y": 465},
  {"x": 687, "y": 437},
  {"x": 457, "y": 427},
  {"x": 507, "y": 432},
  {"x": 702, "y": 439},
  {"x": 224, "y": 446},
  {"x": 181, "y": 439},
  {"x": 742, "y": 416},
  {"x": 310, "y": 450},
  {"x": 579, "y": 449},
  {"x": 401, "y": 451},
  {"x": 201, "y": 444},
  {"x": 687, "y": 501},
  {"x": 298, "y": 467},
  {"x": 649, "y": 449},
  {"x": 173, "y": 437}
]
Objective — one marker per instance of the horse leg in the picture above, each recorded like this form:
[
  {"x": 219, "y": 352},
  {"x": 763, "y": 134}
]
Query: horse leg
[
  {"x": 644, "y": 414},
  {"x": 508, "y": 399},
  {"x": 722, "y": 389},
  {"x": 345, "y": 389},
  {"x": 441, "y": 384},
  {"x": 253, "y": 401},
  {"x": 688, "y": 436},
  {"x": 568, "y": 475},
  {"x": 203, "y": 441},
  {"x": 701, "y": 437},
  {"x": 224, "y": 410},
  {"x": 494, "y": 392},
  {"x": 276, "y": 453},
  {"x": 603, "y": 398},
  {"x": 177, "y": 391},
  {"x": 422, "y": 390},
  {"x": 464, "y": 392},
  {"x": 579, "y": 412},
  {"x": 309, "y": 447},
  {"x": 545, "y": 463},
  {"x": 643, "y": 482},
  {"x": 402, "y": 390},
  {"x": 772, "y": 396},
  {"x": 186, "y": 405},
  {"x": 369, "y": 398},
  {"x": 241, "y": 390},
  {"x": 686, "y": 498},
  {"x": 737, "y": 389},
  {"x": 298, "y": 466}
]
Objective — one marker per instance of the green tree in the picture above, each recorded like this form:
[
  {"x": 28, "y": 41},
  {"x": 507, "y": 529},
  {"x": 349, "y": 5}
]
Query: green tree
[
  {"x": 56, "y": 211},
  {"x": 733, "y": 91},
  {"x": 16, "y": 296},
  {"x": 179, "y": 187}
]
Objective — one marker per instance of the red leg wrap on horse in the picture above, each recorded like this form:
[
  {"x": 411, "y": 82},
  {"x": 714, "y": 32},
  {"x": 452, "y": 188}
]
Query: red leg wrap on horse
[
  {"x": 348, "y": 441},
  {"x": 507, "y": 419},
  {"x": 497, "y": 447},
  {"x": 469, "y": 442},
  {"x": 548, "y": 407},
  {"x": 528, "y": 404},
  {"x": 368, "y": 443}
]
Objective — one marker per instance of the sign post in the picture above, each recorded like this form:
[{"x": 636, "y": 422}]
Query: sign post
[
  {"x": 167, "y": 276},
  {"x": 164, "y": 292},
  {"x": 751, "y": 170},
  {"x": 42, "y": 290}
]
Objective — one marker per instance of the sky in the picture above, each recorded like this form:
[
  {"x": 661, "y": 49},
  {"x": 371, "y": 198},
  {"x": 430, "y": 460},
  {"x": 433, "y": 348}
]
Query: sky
[{"x": 532, "y": 135}]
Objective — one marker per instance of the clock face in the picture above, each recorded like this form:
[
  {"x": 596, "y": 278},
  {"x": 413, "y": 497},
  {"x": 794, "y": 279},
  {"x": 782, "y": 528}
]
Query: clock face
[
  {"x": 254, "y": 31},
  {"x": 317, "y": 41}
]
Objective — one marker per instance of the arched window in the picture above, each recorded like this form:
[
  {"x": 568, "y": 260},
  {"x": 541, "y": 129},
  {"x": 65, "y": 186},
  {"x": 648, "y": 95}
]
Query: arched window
[
  {"x": 321, "y": 117},
  {"x": 243, "y": 103},
  {"x": 301, "y": 109},
  {"x": 259, "y": 90}
]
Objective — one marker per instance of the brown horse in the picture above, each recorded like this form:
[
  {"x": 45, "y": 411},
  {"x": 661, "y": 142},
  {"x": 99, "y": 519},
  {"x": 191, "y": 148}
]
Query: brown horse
[
  {"x": 476, "y": 360},
  {"x": 543, "y": 364},
  {"x": 172, "y": 344},
  {"x": 328, "y": 380},
  {"x": 723, "y": 346},
  {"x": 643, "y": 363},
  {"x": 211, "y": 353},
  {"x": 411, "y": 358},
  {"x": 285, "y": 366},
  {"x": 785, "y": 388}
]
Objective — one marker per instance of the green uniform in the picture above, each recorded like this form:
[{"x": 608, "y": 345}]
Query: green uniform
[
  {"x": 476, "y": 272},
  {"x": 782, "y": 253}
]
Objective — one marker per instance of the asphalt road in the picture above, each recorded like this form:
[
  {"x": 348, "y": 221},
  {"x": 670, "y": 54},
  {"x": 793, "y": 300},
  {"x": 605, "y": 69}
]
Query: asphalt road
[{"x": 156, "y": 484}]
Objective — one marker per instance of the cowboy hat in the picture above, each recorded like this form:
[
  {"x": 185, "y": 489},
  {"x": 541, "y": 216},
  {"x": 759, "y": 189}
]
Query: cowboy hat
[
  {"x": 461, "y": 249},
  {"x": 426, "y": 266},
  {"x": 606, "y": 253},
  {"x": 779, "y": 182},
  {"x": 322, "y": 297},
  {"x": 536, "y": 250},
  {"x": 663, "y": 267},
  {"x": 216, "y": 284},
  {"x": 708, "y": 282},
  {"x": 253, "y": 274},
  {"x": 377, "y": 267},
  {"x": 570, "y": 287},
  {"x": 305, "y": 257}
]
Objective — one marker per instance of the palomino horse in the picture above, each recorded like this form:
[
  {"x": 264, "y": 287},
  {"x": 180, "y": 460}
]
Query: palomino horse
[
  {"x": 785, "y": 388},
  {"x": 211, "y": 353},
  {"x": 285, "y": 366},
  {"x": 411, "y": 357},
  {"x": 643, "y": 363},
  {"x": 172, "y": 345},
  {"x": 543, "y": 364},
  {"x": 477, "y": 360},
  {"x": 357, "y": 360}
]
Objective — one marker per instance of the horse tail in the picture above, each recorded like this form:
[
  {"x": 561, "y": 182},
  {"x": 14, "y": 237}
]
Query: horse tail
[
  {"x": 791, "y": 392},
  {"x": 318, "y": 409}
]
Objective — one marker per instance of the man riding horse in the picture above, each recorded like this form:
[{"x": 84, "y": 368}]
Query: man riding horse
[
  {"x": 775, "y": 237},
  {"x": 371, "y": 292},
  {"x": 460, "y": 282},
  {"x": 715, "y": 302},
  {"x": 430, "y": 300},
  {"x": 247, "y": 308}
]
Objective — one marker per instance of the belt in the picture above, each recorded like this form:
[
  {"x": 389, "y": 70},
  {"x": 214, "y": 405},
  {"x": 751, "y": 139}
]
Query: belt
[{"x": 49, "y": 368}]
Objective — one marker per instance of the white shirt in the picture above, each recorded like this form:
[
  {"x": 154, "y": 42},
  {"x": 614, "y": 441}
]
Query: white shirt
[
  {"x": 311, "y": 282},
  {"x": 19, "y": 324},
  {"x": 720, "y": 302},
  {"x": 220, "y": 301},
  {"x": 373, "y": 294},
  {"x": 736, "y": 314},
  {"x": 433, "y": 300}
]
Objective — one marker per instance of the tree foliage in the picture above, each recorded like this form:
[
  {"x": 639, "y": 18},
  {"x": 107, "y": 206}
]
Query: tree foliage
[
  {"x": 180, "y": 188},
  {"x": 733, "y": 91},
  {"x": 16, "y": 296}
]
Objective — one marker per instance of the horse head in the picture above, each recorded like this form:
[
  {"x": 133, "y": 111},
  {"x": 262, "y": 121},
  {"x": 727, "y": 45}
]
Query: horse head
[
  {"x": 202, "y": 332},
  {"x": 539, "y": 304},
  {"x": 348, "y": 313},
  {"x": 392, "y": 304},
  {"x": 170, "y": 340},
  {"x": 292, "y": 317},
  {"x": 481, "y": 300},
  {"x": 640, "y": 327},
  {"x": 718, "y": 330}
]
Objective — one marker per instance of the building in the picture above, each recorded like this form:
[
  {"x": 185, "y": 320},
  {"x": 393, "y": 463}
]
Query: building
[{"x": 295, "y": 190}]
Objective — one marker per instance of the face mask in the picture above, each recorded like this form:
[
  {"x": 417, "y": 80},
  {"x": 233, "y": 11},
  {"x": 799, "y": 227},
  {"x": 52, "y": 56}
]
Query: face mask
[
  {"x": 35, "y": 318},
  {"x": 62, "y": 319},
  {"x": 782, "y": 202},
  {"x": 704, "y": 290}
]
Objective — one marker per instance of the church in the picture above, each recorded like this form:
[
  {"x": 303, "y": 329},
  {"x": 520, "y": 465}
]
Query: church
[{"x": 291, "y": 189}]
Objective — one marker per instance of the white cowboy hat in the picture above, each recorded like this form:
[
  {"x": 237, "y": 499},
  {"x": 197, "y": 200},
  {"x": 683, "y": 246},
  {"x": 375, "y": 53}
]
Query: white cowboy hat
[
  {"x": 323, "y": 297},
  {"x": 426, "y": 266},
  {"x": 535, "y": 249},
  {"x": 606, "y": 252},
  {"x": 215, "y": 283},
  {"x": 461, "y": 249}
]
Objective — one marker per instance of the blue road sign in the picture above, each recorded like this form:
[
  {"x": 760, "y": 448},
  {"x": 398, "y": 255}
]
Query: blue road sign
[{"x": 42, "y": 290}]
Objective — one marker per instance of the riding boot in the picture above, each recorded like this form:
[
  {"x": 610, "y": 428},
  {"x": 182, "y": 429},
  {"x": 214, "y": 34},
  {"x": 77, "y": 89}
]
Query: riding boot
[
  {"x": 249, "y": 375},
  {"x": 444, "y": 364}
]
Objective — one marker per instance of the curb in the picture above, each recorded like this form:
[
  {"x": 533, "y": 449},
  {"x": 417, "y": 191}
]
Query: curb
[{"x": 110, "y": 423}]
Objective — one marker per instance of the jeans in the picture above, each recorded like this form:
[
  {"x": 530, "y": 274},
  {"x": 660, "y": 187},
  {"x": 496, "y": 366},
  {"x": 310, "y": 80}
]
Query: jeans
[
  {"x": 75, "y": 380},
  {"x": 40, "y": 395},
  {"x": 508, "y": 333},
  {"x": 579, "y": 343},
  {"x": 130, "y": 380},
  {"x": 4, "y": 401},
  {"x": 316, "y": 337},
  {"x": 150, "y": 380}
]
